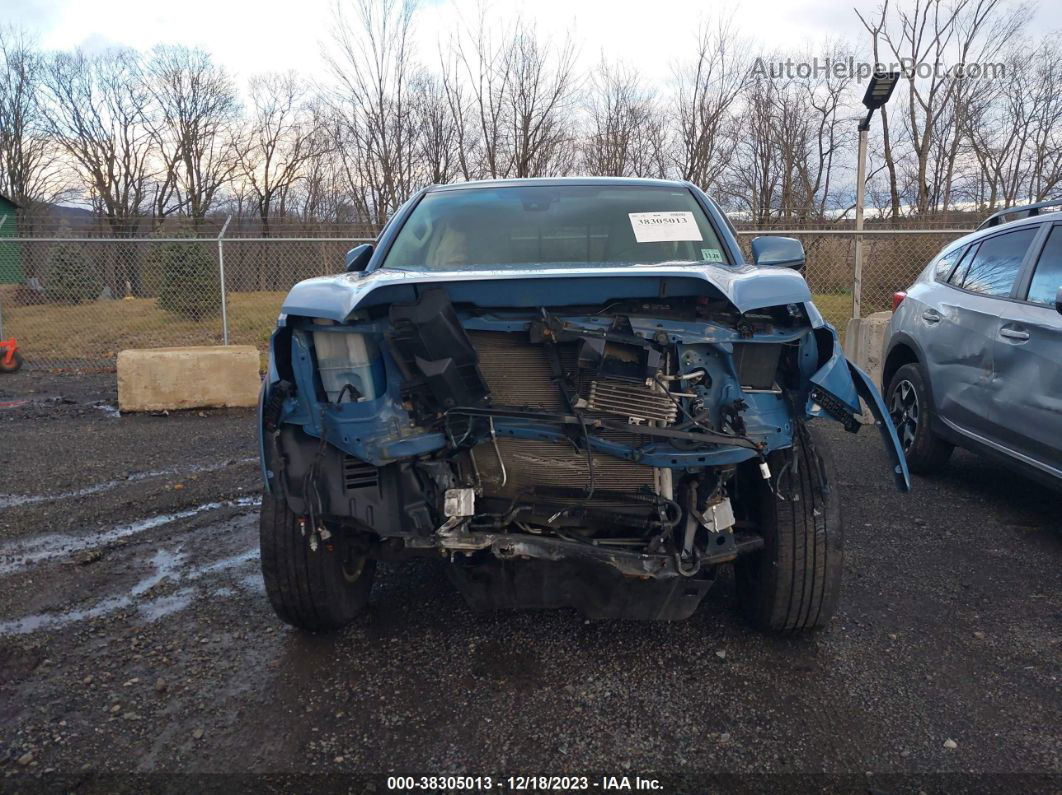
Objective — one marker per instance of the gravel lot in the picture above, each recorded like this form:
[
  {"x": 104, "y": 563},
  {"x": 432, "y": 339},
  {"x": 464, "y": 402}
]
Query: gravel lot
[{"x": 135, "y": 635}]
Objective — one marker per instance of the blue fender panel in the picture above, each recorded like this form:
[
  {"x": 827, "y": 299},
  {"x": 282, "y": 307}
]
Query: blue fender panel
[{"x": 870, "y": 394}]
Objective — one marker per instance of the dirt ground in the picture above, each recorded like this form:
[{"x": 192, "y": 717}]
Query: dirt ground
[{"x": 135, "y": 636}]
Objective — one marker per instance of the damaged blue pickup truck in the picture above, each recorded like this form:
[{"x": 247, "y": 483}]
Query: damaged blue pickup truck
[{"x": 576, "y": 393}]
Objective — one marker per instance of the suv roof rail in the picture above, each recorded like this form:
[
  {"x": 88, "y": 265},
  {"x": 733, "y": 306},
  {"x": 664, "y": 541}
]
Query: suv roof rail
[{"x": 995, "y": 219}]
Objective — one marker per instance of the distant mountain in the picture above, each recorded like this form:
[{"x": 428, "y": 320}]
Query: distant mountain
[{"x": 72, "y": 215}]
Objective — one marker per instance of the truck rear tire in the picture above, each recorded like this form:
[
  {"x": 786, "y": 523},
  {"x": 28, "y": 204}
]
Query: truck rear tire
[
  {"x": 794, "y": 582},
  {"x": 316, "y": 590}
]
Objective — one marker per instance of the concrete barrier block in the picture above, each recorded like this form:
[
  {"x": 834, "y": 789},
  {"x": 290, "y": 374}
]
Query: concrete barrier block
[
  {"x": 864, "y": 343},
  {"x": 164, "y": 379}
]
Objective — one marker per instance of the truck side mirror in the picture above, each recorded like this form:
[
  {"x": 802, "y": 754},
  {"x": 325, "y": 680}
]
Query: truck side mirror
[
  {"x": 781, "y": 252},
  {"x": 358, "y": 257},
  {"x": 1058, "y": 301}
]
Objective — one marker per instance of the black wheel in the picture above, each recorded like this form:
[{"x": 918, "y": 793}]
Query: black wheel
[
  {"x": 16, "y": 363},
  {"x": 314, "y": 589},
  {"x": 910, "y": 409},
  {"x": 794, "y": 582}
]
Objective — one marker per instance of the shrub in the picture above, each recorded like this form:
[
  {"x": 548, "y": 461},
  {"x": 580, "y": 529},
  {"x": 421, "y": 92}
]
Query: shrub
[
  {"x": 189, "y": 279},
  {"x": 71, "y": 277}
]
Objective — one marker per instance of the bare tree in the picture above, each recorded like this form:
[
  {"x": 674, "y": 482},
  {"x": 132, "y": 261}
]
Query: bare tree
[
  {"x": 375, "y": 114},
  {"x": 1045, "y": 154},
  {"x": 780, "y": 160},
  {"x": 438, "y": 132},
  {"x": 707, "y": 93},
  {"x": 320, "y": 196},
  {"x": 489, "y": 77},
  {"x": 829, "y": 134},
  {"x": 626, "y": 129},
  {"x": 30, "y": 170},
  {"x": 197, "y": 107},
  {"x": 1013, "y": 128},
  {"x": 541, "y": 131},
  {"x": 284, "y": 133},
  {"x": 523, "y": 91},
  {"x": 936, "y": 32},
  {"x": 99, "y": 112},
  {"x": 750, "y": 175},
  {"x": 462, "y": 110}
]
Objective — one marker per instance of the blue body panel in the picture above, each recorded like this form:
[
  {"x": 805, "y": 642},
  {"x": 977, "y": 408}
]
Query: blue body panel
[
  {"x": 745, "y": 286},
  {"x": 866, "y": 389}
]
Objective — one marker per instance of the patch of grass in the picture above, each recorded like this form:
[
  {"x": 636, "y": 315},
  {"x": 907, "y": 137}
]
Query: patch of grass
[
  {"x": 97, "y": 331},
  {"x": 836, "y": 308}
]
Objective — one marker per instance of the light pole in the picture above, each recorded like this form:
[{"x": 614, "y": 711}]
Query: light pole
[{"x": 878, "y": 93}]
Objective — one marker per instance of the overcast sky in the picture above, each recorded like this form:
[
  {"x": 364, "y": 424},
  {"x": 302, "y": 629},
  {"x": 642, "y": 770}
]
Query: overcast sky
[{"x": 251, "y": 36}]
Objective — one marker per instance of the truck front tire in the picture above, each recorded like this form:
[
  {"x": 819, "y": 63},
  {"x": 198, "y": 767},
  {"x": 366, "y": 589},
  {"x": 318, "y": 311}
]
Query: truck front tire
[
  {"x": 794, "y": 582},
  {"x": 318, "y": 589}
]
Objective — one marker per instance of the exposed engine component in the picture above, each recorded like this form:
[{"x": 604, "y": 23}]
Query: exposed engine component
[
  {"x": 458, "y": 505},
  {"x": 533, "y": 464},
  {"x": 627, "y": 361},
  {"x": 435, "y": 353},
  {"x": 558, "y": 369},
  {"x": 718, "y": 516},
  {"x": 757, "y": 366},
  {"x": 518, "y": 372},
  {"x": 639, "y": 403}
]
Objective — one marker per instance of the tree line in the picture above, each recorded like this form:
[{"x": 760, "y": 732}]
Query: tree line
[{"x": 142, "y": 137}]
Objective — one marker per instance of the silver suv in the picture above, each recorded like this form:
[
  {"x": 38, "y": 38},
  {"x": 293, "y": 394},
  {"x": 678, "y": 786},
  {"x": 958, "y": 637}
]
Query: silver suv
[{"x": 974, "y": 356}]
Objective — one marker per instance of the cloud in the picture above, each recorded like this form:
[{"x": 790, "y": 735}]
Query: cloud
[
  {"x": 96, "y": 43},
  {"x": 251, "y": 36}
]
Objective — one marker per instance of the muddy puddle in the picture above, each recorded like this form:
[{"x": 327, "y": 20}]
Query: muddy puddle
[
  {"x": 16, "y": 555},
  {"x": 21, "y": 500},
  {"x": 166, "y": 569}
]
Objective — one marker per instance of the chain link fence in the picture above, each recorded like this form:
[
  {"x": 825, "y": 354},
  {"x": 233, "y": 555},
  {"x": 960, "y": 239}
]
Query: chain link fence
[
  {"x": 80, "y": 301},
  {"x": 74, "y": 302},
  {"x": 892, "y": 258}
]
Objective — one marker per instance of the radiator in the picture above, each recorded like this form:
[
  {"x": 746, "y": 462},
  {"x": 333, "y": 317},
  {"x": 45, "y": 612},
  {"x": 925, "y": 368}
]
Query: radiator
[{"x": 518, "y": 374}]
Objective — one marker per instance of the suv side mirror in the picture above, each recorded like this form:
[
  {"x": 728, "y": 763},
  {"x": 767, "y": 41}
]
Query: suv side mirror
[
  {"x": 782, "y": 252},
  {"x": 358, "y": 257},
  {"x": 1058, "y": 301}
]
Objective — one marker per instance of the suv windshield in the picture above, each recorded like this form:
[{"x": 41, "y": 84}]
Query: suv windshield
[{"x": 555, "y": 224}]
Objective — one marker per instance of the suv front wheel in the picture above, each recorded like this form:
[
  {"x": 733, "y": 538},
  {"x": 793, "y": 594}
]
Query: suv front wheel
[{"x": 909, "y": 406}]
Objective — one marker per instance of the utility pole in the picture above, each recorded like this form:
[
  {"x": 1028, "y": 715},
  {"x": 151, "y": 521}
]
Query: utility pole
[{"x": 861, "y": 179}]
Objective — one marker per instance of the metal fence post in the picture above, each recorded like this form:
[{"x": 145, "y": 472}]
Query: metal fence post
[
  {"x": 221, "y": 274},
  {"x": 861, "y": 178}
]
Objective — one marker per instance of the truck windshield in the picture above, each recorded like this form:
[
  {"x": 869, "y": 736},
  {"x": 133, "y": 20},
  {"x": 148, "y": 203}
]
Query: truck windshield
[{"x": 554, "y": 225}]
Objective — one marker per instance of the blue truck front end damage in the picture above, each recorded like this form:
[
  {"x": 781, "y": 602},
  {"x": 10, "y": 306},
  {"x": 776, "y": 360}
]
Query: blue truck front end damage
[
  {"x": 599, "y": 436},
  {"x": 378, "y": 427}
]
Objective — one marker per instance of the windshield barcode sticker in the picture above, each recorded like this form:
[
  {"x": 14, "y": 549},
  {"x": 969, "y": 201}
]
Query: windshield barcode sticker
[{"x": 661, "y": 227}]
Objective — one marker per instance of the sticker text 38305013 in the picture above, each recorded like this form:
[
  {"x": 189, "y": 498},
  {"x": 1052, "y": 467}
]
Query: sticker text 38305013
[{"x": 664, "y": 226}]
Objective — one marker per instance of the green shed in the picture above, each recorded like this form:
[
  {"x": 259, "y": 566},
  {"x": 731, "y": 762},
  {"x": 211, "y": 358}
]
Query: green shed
[{"x": 10, "y": 253}]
